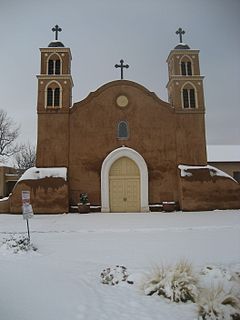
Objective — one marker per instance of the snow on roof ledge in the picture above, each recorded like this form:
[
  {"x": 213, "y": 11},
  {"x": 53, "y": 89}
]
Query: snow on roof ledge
[
  {"x": 35, "y": 173},
  {"x": 212, "y": 170}
]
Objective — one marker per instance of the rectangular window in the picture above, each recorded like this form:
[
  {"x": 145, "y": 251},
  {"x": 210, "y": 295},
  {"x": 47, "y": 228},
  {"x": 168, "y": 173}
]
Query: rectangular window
[
  {"x": 185, "y": 98},
  {"x": 56, "y": 97},
  {"x": 183, "y": 68},
  {"x": 189, "y": 68},
  {"x": 50, "y": 67},
  {"x": 192, "y": 98},
  {"x": 49, "y": 97},
  {"x": 57, "y": 67}
]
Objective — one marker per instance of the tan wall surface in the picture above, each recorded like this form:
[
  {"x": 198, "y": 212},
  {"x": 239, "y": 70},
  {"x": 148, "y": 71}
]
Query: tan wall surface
[
  {"x": 153, "y": 133},
  {"x": 53, "y": 140},
  {"x": 202, "y": 191},
  {"x": 4, "y": 206},
  {"x": 48, "y": 195},
  {"x": 190, "y": 135}
]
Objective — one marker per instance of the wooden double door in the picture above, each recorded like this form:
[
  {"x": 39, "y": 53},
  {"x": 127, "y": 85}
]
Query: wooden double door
[{"x": 124, "y": 186}]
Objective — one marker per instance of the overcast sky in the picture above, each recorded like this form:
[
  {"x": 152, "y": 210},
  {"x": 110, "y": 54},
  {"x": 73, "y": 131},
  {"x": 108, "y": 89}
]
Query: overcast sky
[{"x": 142, "y": 32}]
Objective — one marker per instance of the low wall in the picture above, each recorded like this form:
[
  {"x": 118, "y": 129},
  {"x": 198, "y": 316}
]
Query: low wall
[
  {"x": 48, "y": 195},
  {"x": 4, "y": 205},
  {"x": 207, "y": 188}
]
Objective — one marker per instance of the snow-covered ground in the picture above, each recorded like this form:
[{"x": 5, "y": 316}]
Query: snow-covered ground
[{"x": 62, "y": 279}]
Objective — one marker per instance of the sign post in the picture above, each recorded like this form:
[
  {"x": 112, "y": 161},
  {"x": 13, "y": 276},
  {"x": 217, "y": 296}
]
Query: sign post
[{"x": 27, "y": 209}]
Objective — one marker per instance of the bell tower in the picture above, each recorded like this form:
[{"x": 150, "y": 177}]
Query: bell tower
[
  {"x": 53, "y": 104},
  {"x": 186, "y": 96}
]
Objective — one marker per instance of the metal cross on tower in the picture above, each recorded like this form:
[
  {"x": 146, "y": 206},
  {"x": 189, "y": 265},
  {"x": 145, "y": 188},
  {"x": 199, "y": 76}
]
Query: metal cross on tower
[
  {"x": 121, "y": 65},
  {"x": 56, "y": 29},
  {"x": 180, "y": 31}
]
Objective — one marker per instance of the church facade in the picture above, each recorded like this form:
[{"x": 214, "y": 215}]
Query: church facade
[{"x": 122, "y": 145}]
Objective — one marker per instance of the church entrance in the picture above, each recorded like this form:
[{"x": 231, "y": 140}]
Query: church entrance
[{"x": 124, "y": 186}]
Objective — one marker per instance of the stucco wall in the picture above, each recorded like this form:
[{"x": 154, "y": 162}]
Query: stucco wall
[
  {"x": 203, "y": 191},
  {"x": 48, "y": 195},
  {"x": 153, "y": 133},
  {"x": 190, "y": 137},
  {"x": 4, "y": 205},
  {"x": 53, "y": 139}
]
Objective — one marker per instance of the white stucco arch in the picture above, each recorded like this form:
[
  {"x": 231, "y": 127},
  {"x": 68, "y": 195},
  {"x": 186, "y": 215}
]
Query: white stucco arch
[{"x": 106, "y": 165}]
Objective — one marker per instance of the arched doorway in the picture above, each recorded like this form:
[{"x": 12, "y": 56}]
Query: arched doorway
[
  {"x": 138, "y": 161},
  {"x": 124, "y": 186}
]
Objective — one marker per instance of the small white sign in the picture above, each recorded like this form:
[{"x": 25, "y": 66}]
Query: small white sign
[
  {"x": 25, "y": 197},
  {"x": 26, "y": 206},
  {"x": 27, "y": 211}
]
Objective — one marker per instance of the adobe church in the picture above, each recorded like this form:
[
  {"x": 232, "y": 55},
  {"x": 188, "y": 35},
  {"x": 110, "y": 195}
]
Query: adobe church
[{"x": 122, "y": 145}]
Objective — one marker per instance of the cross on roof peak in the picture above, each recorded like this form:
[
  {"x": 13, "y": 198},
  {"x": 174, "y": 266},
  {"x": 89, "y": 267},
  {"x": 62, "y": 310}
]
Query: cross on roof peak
[
  {"x": 121, "y": 65},
  {"x": 180, "y": 31},
  {"x": 56, "y": 29}
]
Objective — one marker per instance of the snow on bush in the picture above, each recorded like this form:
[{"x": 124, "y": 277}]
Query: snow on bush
[
  {"x": 215, "y": 272},
  {"x": 17, "y": 244},
  {"x": 215, "y": 303},
  {"x": 213, "y": 275},
  {"x": 177, "y": 283},
  {"x": 113, "y": 276}
]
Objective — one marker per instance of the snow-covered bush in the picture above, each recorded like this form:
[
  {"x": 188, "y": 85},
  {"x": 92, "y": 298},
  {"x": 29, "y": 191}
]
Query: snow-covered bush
[
  {"x": 177, "y": 283},
  {"x": 113, "y": 276},
  {"x": 216, "y": 304},
  {"x": 18, "y": 243},
  {"x": 216, "y": 273},
  {"x": 211, "y": 276}
]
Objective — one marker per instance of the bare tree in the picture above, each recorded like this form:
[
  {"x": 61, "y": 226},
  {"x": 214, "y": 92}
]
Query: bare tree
[
  {"x": 25, "y": 158},
  {"x": 9, "y": 132}
]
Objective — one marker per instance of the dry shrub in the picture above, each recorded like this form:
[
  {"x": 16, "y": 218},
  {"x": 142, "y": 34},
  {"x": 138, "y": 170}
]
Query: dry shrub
[
  {"x": 178, "y": 283},
  {"x": 215, "y": 303}
]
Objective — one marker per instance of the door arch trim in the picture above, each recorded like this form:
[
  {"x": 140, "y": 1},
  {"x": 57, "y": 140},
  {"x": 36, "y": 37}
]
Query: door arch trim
[{"x": 106, "y": 165}]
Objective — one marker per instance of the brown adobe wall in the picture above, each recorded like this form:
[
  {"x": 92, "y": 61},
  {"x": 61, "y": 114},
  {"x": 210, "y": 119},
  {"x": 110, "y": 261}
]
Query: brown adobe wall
[
  {"x": 154, "y": 127},
  {"x": 93, "y": 135},
  {"x": 202, "y": 190},
  {"x": 53, "y": 140},
  {"x": 48, "y": 195},
  {"x": 190, "y": 138},
  {"x": 4, "y": 206}
]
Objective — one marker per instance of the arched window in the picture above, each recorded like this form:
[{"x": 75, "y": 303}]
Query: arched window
[
  {"x": 56, "y": 97},
  {"x": 53, "y": 96},
  {"x": 50, "y": 66},
  {"x": 49, "y": 97},
  {"x": 122, "y": 130},
  {"x": 57, "y": 66},
  {"x": 54, "y": 65},
  {"x": 188, "y": 98},
  {"x": 186, "y": 66}
]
